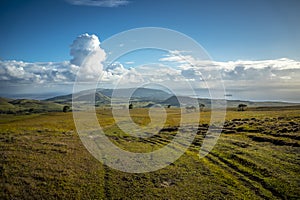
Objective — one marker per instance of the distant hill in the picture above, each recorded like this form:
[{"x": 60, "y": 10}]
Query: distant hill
[
  {"x": 139, "y": 93},
  {"x": 156, "y": 96},
  {"x": 27, "y": 105},
  {"x": 83, "y": 96},
  {"x": 5, "y": 105},
  {"x": 103, "y": 96},
  {"x": 174, "y": 101},
  {"x": 87, "y": 97},
  {"x": 141, "y": 97},
  {"x": 61, "y": 99}
]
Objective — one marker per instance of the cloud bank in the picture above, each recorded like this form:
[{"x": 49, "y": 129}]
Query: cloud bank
[
  {"x": 279, "y": 69},
  {"x": 277, "y": 79},
  {"x": 19, "y": 72},
  {"x": 257, "y": 80}
]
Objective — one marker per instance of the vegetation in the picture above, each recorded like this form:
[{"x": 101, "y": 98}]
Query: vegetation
[
  {"x": 201, "y": 106},
  {"x": 256, "y": 157},
  {"x": 242, "y": 107},
  {"x": 27, "y": 106},
  {"x": 131, "y": 106},
  {"x": 66, "y": 109}
]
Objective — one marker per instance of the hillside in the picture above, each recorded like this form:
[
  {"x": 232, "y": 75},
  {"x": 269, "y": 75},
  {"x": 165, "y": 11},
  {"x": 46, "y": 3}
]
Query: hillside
[
  {"x": 61, "y": 99},
  {"x": 174, "y": 101},
  {"x": 256, "y": 157},
  {"x": 139, "y": 93},
  {"x": 4, "y": 105},
  {"x": 103, "y": 96},
  {"x": 141, "y": 97},
  {"x": 84, "y": 96},
  {"x": 27, "y": 105}
]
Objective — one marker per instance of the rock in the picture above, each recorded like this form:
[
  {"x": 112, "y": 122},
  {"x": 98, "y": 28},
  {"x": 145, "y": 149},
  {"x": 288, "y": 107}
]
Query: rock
[
  {"x": 245, "y": 120},
  {"x": 284, "y": 130},
  {"x": 169, "y": 129},
  {"x": 267, "y": 119},
  {"x": 295, "y": 129},
  {"x": 205, "y": 125},
  {"x": 240, "y": 129}
]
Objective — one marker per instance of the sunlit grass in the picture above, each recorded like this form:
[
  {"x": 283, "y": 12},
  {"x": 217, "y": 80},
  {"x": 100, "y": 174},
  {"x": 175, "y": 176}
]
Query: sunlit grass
[{"x": 43, "y": 157}]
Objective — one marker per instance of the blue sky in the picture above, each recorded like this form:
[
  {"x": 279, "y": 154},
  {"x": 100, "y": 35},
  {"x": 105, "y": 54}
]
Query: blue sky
[
  {"x": 254, "y": 44},
  {"x": 36, "y": 30}
]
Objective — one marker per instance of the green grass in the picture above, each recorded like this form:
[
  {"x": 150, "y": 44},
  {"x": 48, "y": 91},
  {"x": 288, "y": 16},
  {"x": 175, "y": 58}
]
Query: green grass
[
  {"x": 28, "y": 106},
  {"x": 42, "y": 157}
]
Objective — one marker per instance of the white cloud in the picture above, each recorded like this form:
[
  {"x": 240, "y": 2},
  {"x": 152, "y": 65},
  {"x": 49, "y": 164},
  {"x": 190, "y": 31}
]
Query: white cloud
[
  {"x": 235, "y": 70},
  {"x": 159, "y": 73},
  {"x": 236, "y": 74},
  {"x": 243, "y": 76},
  {"x": 99, "y": 3},
  {"x": 113, "y": 73},
  {"x": 88, "y": 55},
  {"x": 18, "y": 72},
  {"x": 87, "y": 65},
  {"x": 278, "y": 64},
  {"x": 82, "y": 46},
  {"x": 116, "y": 74}
]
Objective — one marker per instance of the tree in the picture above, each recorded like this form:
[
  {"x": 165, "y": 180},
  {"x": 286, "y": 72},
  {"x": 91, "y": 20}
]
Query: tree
[
  {"x": 66, "y": 109},
  {"x": 130, "y": 106},
  {"x": 242, "y": 107},
  {"x": 201, "y": 106}
]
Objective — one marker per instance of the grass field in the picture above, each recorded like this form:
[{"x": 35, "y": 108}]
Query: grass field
[{"x": 256, "y": 157}]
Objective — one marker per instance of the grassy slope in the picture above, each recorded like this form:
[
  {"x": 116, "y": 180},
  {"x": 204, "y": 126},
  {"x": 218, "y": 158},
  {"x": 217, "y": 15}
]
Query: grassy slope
[
  {"x": 19, "y": 105},
  {"x": 4, "y": 105},
  {"x": 43, "y": 158}
]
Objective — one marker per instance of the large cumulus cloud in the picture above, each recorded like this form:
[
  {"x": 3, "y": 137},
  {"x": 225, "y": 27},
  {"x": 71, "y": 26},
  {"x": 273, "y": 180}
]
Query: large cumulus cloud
[
  {"x": 88, "y": 54},
  {"x": 82, "y": 46}
]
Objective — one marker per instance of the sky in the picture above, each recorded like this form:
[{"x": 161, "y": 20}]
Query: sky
[{"x": 254, "y": 44}]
